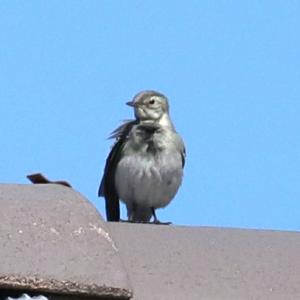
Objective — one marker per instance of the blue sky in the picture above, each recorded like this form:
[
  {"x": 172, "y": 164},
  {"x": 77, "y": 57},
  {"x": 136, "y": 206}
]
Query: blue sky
[{"x": 231, "y": 70}]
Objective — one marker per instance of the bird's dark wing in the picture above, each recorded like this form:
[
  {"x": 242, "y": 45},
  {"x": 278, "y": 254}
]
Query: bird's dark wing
[
  {"x": 107, "y": 187},
  {"x": 183, "y": 154}
]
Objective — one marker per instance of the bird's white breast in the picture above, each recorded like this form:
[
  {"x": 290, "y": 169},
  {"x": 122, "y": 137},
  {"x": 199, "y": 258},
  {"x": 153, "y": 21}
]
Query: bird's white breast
[{"x": 149, "y": 180}]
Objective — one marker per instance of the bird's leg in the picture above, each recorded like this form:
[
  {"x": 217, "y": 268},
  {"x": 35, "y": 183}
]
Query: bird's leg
[{"x": 156, "y": 221}]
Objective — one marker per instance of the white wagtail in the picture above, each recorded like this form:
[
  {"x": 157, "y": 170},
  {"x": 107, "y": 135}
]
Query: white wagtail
[{"x": 144, "y": 168}]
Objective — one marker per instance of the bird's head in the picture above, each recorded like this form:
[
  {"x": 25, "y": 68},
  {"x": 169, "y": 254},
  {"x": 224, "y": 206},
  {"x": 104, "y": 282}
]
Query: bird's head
[{"x": 149, "y": 105}]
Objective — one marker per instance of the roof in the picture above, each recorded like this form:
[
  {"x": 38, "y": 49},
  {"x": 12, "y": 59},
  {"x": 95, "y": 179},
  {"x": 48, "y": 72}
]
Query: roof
[
  {"x": 54, "y": 241},
  {"x": 176, "y": 262}
]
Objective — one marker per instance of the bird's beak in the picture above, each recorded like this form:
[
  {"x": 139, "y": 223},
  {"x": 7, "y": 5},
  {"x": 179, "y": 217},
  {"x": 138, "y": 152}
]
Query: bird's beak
[{"x": 131, "y": 103}]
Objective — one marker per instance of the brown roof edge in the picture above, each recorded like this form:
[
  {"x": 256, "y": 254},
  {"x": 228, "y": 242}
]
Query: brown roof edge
[{"x": 62, "y": 287}]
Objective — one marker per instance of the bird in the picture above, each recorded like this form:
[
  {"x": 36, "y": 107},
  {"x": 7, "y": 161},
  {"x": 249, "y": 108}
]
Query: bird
[{"x": 144, "y": 168}]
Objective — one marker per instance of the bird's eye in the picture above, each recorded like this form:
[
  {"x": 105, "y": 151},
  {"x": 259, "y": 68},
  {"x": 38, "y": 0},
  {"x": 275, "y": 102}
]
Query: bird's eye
[{"x": 152, "y": 101}]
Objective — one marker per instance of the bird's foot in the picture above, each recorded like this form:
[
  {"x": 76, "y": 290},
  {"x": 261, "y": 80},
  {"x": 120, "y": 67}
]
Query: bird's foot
[{"x": 157, "y": 222}]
